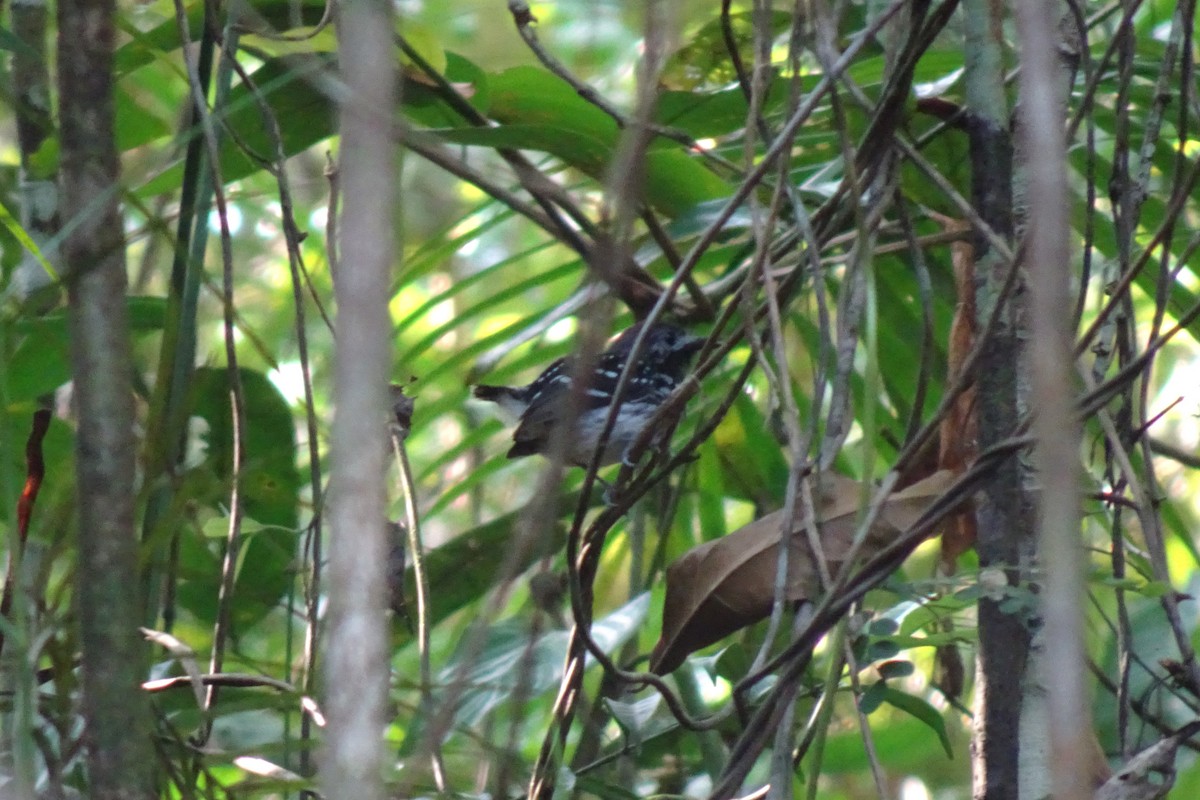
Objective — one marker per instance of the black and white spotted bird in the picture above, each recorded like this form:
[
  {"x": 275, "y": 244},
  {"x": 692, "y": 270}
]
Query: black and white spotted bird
[{"x": 660, "y": 367}]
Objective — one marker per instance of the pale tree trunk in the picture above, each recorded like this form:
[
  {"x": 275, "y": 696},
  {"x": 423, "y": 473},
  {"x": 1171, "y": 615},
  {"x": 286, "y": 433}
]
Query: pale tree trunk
[
  {"x": 1062, "y": 665},
  {"x": 357, "y": 661},
  {"x": 116, "y": 713}
]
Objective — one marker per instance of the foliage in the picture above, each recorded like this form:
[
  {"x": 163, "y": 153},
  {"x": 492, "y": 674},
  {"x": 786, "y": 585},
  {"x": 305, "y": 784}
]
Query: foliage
[{"x": 796, "y": 215}]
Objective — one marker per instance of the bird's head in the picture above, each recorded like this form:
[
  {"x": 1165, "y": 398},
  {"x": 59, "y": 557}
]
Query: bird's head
[{"x": 666, "y": 347}]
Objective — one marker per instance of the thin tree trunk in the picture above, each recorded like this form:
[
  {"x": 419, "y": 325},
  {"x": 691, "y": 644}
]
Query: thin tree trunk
[
  {"x": 116, "y": 713},
  {"x": 1063, "y": 663},
  {"x": 1004, "y": 513},
  {"x": 356, "y": 665}
]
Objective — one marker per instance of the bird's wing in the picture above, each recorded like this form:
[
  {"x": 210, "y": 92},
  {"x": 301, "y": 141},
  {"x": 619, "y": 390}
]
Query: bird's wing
[{"x": 546, "y": 397}]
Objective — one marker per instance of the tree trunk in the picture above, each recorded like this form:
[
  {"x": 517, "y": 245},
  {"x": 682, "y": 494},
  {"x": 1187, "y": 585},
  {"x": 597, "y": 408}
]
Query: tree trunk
[
  {"x": 356, "y": 668},
  {"x": 120, "y": 759},
  {"x": 1004, "y": 513}
]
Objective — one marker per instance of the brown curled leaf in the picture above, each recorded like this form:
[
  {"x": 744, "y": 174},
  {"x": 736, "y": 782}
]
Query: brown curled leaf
[
  {"x": 959, "y": 436},
  {"x": 728, "y": 584},
  {"x": 950, "y": 674}
]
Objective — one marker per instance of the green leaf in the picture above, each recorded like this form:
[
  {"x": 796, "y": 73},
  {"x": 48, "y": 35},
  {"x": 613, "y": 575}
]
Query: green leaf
[
  {"x": 14, "y": 227},
  {"x": 40, "y": 361},
  {"x": 509, "y": 659},
  {"x": 901, "y": 744},
  {"x": 150, "y": 45},
  {"x": 15, "y": 44},
  {"x": 135, "y": 124},
  {"x": 921, "y": 710},
  {"x": 872, "y": 698},
  {"x": 751, "y": 459},
  {"x": 303, "y": 112},
  {"x": 269, "y": 490},
  {"x": 711, "y": 494},
  {"x": 705, "y": 59},
  {"x": 633, "y": 717},
  {"x": 539, "y": 111},
  {"x": 425, "y": 105},
  {"x": 464, "y": 569},
  {"x": 879, "y": 650},
  {"x": 896, "y": 669},
  {"x": 708, "y": 114},
  {"x": 677, "y": 181},
  {"x": 426, "y": 42},
  {"x": 591, "y": 786}
]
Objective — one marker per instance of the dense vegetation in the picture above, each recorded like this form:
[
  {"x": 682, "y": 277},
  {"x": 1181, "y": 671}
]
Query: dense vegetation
[{"x": 845, "y": 201}]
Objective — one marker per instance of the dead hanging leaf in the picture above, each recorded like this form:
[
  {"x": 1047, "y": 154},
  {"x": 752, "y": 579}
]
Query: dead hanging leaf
[
  {"x": 727, "y": 584},
  {"x": 959, "y": 437}
]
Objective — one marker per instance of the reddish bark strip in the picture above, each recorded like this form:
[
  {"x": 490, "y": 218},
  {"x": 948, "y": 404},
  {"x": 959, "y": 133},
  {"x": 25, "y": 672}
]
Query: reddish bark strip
[{"x": 35, "y": 471}]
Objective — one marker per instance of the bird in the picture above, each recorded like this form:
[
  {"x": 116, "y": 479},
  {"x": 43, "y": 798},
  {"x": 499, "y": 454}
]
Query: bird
[{"x": 660, "y": 367}]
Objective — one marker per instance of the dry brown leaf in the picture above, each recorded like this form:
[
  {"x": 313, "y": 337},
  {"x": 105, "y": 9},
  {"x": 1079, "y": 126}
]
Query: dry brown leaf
[
  {"x": 727, "y": 584},
  {"x": 959, "y": 431}
]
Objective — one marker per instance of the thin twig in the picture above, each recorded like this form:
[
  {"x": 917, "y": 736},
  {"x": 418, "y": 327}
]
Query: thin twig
[
  {"x": 221, "y": 627},
  {"x": 416, "y": 554}
]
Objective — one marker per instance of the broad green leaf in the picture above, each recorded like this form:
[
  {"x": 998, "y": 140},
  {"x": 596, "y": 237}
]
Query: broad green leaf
[
  {"x": 146, "y": 46},
  {"x": 634, "y": 716},
  {"x": 509, "y": 658},
  {"x": 587, "y": 149},
  {"x": 605, "y": 790},
  {"x": 709, "y": 114},
  {"x": 872, "y": 698},
  {"x": 269, "y": 489},
  {"x": 895, "y": 669},
  {"x": 676, "y": 180},
  {"x": 425, "y": 41},
  {"x": 15, "y": 44},
  {"x": 924, "y": 712},
  {"x": 539, "y": 111},
  {"x": 710, "y": 503},
  {"x": 751, "y": 459},
  {"x": 705, "y": 61},
  {"x": 136, "y": 125},
  {"x": 901, "y": 744},
  {"x": 465, "y": 568},
  {"x": 40, "y": 359},
  {"x": 424, "y": 104}
]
